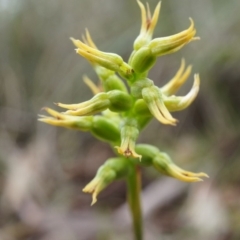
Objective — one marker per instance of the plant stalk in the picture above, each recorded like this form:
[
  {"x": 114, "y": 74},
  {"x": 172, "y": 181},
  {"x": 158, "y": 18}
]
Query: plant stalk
[{"x": 133, "y": 196}]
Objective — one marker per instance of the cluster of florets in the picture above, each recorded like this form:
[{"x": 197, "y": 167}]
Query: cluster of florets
[{"x": 123, "y": 113}]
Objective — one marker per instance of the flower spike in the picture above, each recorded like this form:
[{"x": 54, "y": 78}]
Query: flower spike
[
  {"x": 148, "y": 25},
  {"x": 124, "y": 108}
]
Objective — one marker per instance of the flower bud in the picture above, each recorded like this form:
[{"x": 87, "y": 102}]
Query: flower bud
[
  {"x": 105, "y": 129},
  {"x": 112, "y": 169},
  {"x": 108, "y": 77},
  {"x": 119, "y": 101},
  {"x": 100, "y": 126},
  {"x": 163, "y": 163},
  {"x": 97, "y": 104},
  {"x": 148, "y": 152},
  {"x": 110, "y": 61},
  {"x": 115, "y": 100},
  {"x": 148, "y": 25},
  {"x": 129, "y": 135},
  {"x": 154, "y": 100},
  {"x": 110, "y": 80},
  {"x": 141, "y": 108},
  {"x": 166, "y": 45},
  {"x": 142, "y": 60},
  {"x": 67, "y": 121}
]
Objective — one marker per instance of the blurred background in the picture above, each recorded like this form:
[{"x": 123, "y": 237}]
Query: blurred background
[{"x": 43, "y": 168}]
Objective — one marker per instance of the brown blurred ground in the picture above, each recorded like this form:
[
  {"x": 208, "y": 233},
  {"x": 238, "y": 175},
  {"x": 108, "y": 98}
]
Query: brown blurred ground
[{"x": 43, "y": 169}]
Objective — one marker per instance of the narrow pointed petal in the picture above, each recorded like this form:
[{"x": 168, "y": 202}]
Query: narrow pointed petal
[
  {"x": 58, "y": 123},
  {"x": 55, "y": 114},
  {"x": 182, "y": 177},
  {"x": 177, "y": 81},
  {"x": 143, "y": 16},
  {"x": 67, "y": 121},
  {"x": 93, "y": 87},
  {"x": 72, "y": 106},
  {"x": 190, "y": 174},
  {"x": 75, "y": 42},
  {"x": 157, "y": 113},
  {"x": 176, "y": 103},
  {"x": 154, "y": 100},
  {"x": 154, "y": 19},
  {"x": 162, "y": 108},
  {"x": 93, "y": 188},
  {"x": 186, "y": 176},
  {"x": 97, "y": 98},
  {"x": 89, "y": 40},
  {"x": 91, "y": 109}
]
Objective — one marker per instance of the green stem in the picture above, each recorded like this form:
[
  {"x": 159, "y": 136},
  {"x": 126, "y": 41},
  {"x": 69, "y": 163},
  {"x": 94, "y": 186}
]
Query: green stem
[{"x": 133, "y": 195}]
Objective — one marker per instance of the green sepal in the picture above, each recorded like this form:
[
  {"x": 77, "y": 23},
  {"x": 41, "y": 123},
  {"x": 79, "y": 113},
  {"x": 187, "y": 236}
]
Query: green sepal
[
  {"x": 137, "y": 87},
  {"x": 119, "y": 101},
  {"x": 141, "y": 108},
  {"x": 110, "y": 81},
  {"x": 148, "y": 153},
  {"x": 105, "y": 129},
  {"x": 142, "y": 60}
]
